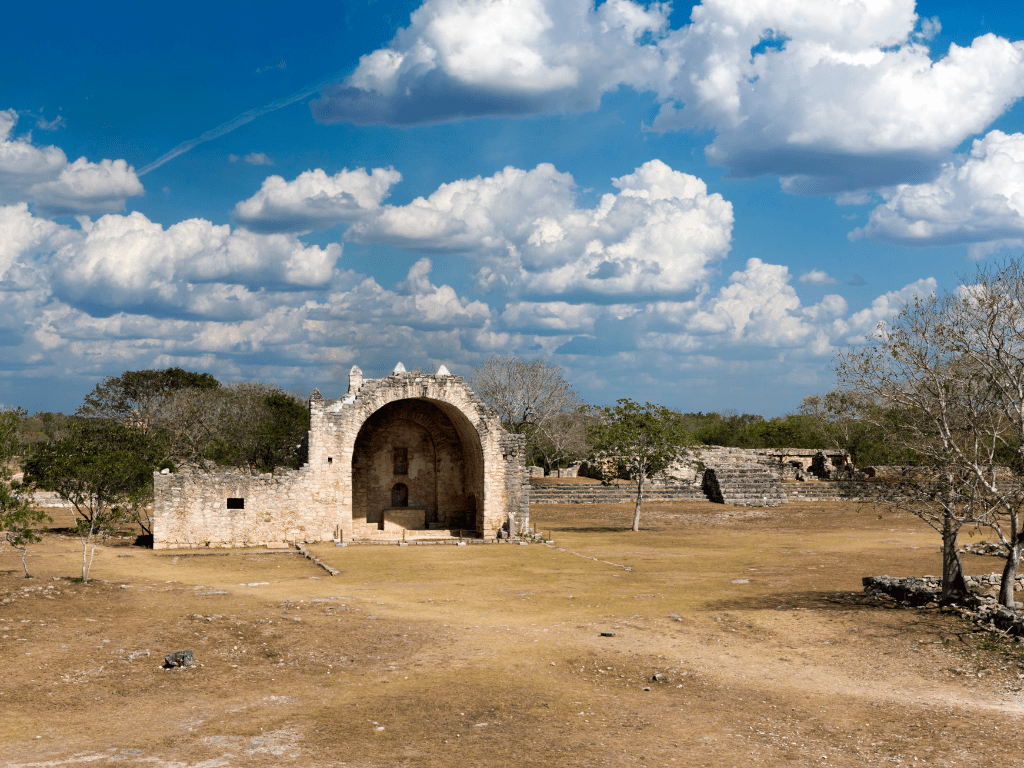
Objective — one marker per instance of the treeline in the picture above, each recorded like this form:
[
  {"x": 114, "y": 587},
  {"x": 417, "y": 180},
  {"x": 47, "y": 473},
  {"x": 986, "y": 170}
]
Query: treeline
[
  {"x": 190, "y": 419},
  {"x": 820, "y": 422}
]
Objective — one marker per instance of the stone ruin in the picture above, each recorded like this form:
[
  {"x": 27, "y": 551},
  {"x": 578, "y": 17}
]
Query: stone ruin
[
  {"x": 801, "y": 464},
  {"x": 754, "y": 476},
  {"x": 408, "y": 456}
]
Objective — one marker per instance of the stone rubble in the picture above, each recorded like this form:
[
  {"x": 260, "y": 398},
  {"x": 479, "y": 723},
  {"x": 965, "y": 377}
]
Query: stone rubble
[{"x": 982, "y": 610}]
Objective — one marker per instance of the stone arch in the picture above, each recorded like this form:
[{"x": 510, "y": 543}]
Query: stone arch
[{"x": 427, "y": 445}]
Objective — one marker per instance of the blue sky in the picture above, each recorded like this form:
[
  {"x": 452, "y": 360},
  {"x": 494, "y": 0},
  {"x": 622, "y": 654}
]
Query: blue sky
[{"x": 692, "y": 204}]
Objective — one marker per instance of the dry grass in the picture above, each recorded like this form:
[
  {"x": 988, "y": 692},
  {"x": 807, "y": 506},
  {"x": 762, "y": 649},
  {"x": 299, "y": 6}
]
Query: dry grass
[{"x": 492, "y": 655}]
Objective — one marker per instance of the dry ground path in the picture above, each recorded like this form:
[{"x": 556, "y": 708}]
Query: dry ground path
[{"x": 766, "y": 652}]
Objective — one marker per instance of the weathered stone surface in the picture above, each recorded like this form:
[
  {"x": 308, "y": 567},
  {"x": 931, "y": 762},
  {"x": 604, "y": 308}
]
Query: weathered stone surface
[
  {"x": 179, "y": 659},
  {"x": 426, "y": 440}
]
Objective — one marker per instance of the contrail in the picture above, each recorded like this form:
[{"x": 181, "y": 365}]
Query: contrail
[{"x": 230, "y": 125}]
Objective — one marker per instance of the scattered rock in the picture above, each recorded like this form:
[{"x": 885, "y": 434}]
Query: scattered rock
[
  {"x": 985, "y": 548},
  {"x": 179, "y": 659},
  {"x": 607, "y": 634}
]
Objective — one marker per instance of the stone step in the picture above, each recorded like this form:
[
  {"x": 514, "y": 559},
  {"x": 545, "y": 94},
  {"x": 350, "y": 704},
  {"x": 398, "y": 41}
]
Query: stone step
[
  {"x": 744, "y": 486},
  {"x": 370, "y": 532},
  {"x": 571, "y": 493}
]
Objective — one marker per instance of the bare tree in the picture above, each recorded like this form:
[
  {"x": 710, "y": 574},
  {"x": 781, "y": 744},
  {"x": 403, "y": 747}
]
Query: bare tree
[
  {"x": 986, "y": 330},
  {"x": 915, "y": 386},
  {"x": 563, "y": 437},
  {"x": 525, "y": 393},
  {"x": 189, "y": 422},
  {"x": 533, "y": 398}
]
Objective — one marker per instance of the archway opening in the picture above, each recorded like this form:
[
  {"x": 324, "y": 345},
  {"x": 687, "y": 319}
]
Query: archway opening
[{"x": 432, "y": 451}]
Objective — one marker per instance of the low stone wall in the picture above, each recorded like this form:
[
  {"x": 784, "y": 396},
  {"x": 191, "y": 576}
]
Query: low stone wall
[
  {"x": 983, "y": 610},
  {"x": 838, "y": 490},
  {"x": 566, "y": 493},
  {"x": 274, "y": 509}
]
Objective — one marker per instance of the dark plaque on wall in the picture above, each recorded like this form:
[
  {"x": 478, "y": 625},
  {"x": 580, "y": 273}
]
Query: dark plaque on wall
[{"x": 401, "y": 461}]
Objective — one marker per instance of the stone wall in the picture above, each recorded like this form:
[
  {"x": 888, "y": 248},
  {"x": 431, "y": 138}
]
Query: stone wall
[
  {"x": 517, "y": 481},
  {"x": 842, "y": 490},
  {"x": 407, "y": 441},
  {"x": 191, "y": 510}
]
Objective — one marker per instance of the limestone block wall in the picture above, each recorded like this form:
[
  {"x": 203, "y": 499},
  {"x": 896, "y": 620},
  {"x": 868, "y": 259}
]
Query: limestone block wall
[
  {"x": 517, "y": 479},
  {"x": 478, "y": 428},
  {"x": 191, "y": 510}
]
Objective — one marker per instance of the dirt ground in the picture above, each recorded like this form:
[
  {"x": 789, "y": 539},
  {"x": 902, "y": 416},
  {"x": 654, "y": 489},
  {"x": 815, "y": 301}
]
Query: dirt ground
[{"x": 765, "y": 651}]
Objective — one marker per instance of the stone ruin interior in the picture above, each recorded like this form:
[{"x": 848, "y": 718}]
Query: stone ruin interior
[{"x": 414, "y": 469}]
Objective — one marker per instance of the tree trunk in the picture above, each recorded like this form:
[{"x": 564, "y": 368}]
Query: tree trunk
[
  {"x": 85, "y": 553},
  {"x": 639, "y": 502},
  {"x": 954, "y": 586},
  {"x": 1010, "y": 574},
  {"x": 24, "y": 551},
  {"x": 86, "y": 569}
]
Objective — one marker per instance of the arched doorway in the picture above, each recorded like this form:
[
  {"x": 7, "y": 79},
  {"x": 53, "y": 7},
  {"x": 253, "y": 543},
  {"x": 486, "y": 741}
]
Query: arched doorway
[{"x": 424, "y": 453}]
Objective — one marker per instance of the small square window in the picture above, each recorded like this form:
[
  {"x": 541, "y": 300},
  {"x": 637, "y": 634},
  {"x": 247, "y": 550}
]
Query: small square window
[{"x": 236, "y": 503}]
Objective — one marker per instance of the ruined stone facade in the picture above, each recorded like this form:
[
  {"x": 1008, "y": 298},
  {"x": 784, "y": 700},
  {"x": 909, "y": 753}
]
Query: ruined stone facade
[
  {"x": 407, "y": 456},
  {"x": 804, "y": 464}
]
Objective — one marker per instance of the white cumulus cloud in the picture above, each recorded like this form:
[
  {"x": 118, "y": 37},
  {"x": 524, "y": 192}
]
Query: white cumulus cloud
[
  {"x": 661, "y": 234},
  {"x": 977, "y": 199},
  {"x": 460, "y": 58},
  {"x": 423, "y": 306},
  {"x": 817, "y": 277},
  {"x": 131, "y": 263},
  {"x": 314, "y": 200},
  {"x": 43, "y": 176},
  {"x": 829, "y": 96},
  {"x": 759, "y": 306},
  {"x": 258, "y": 158}
]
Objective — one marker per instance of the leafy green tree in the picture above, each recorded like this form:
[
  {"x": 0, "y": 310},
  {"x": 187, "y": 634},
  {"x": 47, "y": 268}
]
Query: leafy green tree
[
  {"x": 104, "y": 470},
  {"x": 18, "y": 519},
  {"x": 638, "y": 441},
  {"x": 43, "y": 427},
  {"x": 258, "y": 426}
]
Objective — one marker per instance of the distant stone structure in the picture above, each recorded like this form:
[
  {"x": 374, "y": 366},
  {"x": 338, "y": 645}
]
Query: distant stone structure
[
  {"x": 410, "y": 455},
  {"x": 804, "y": 464}
]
